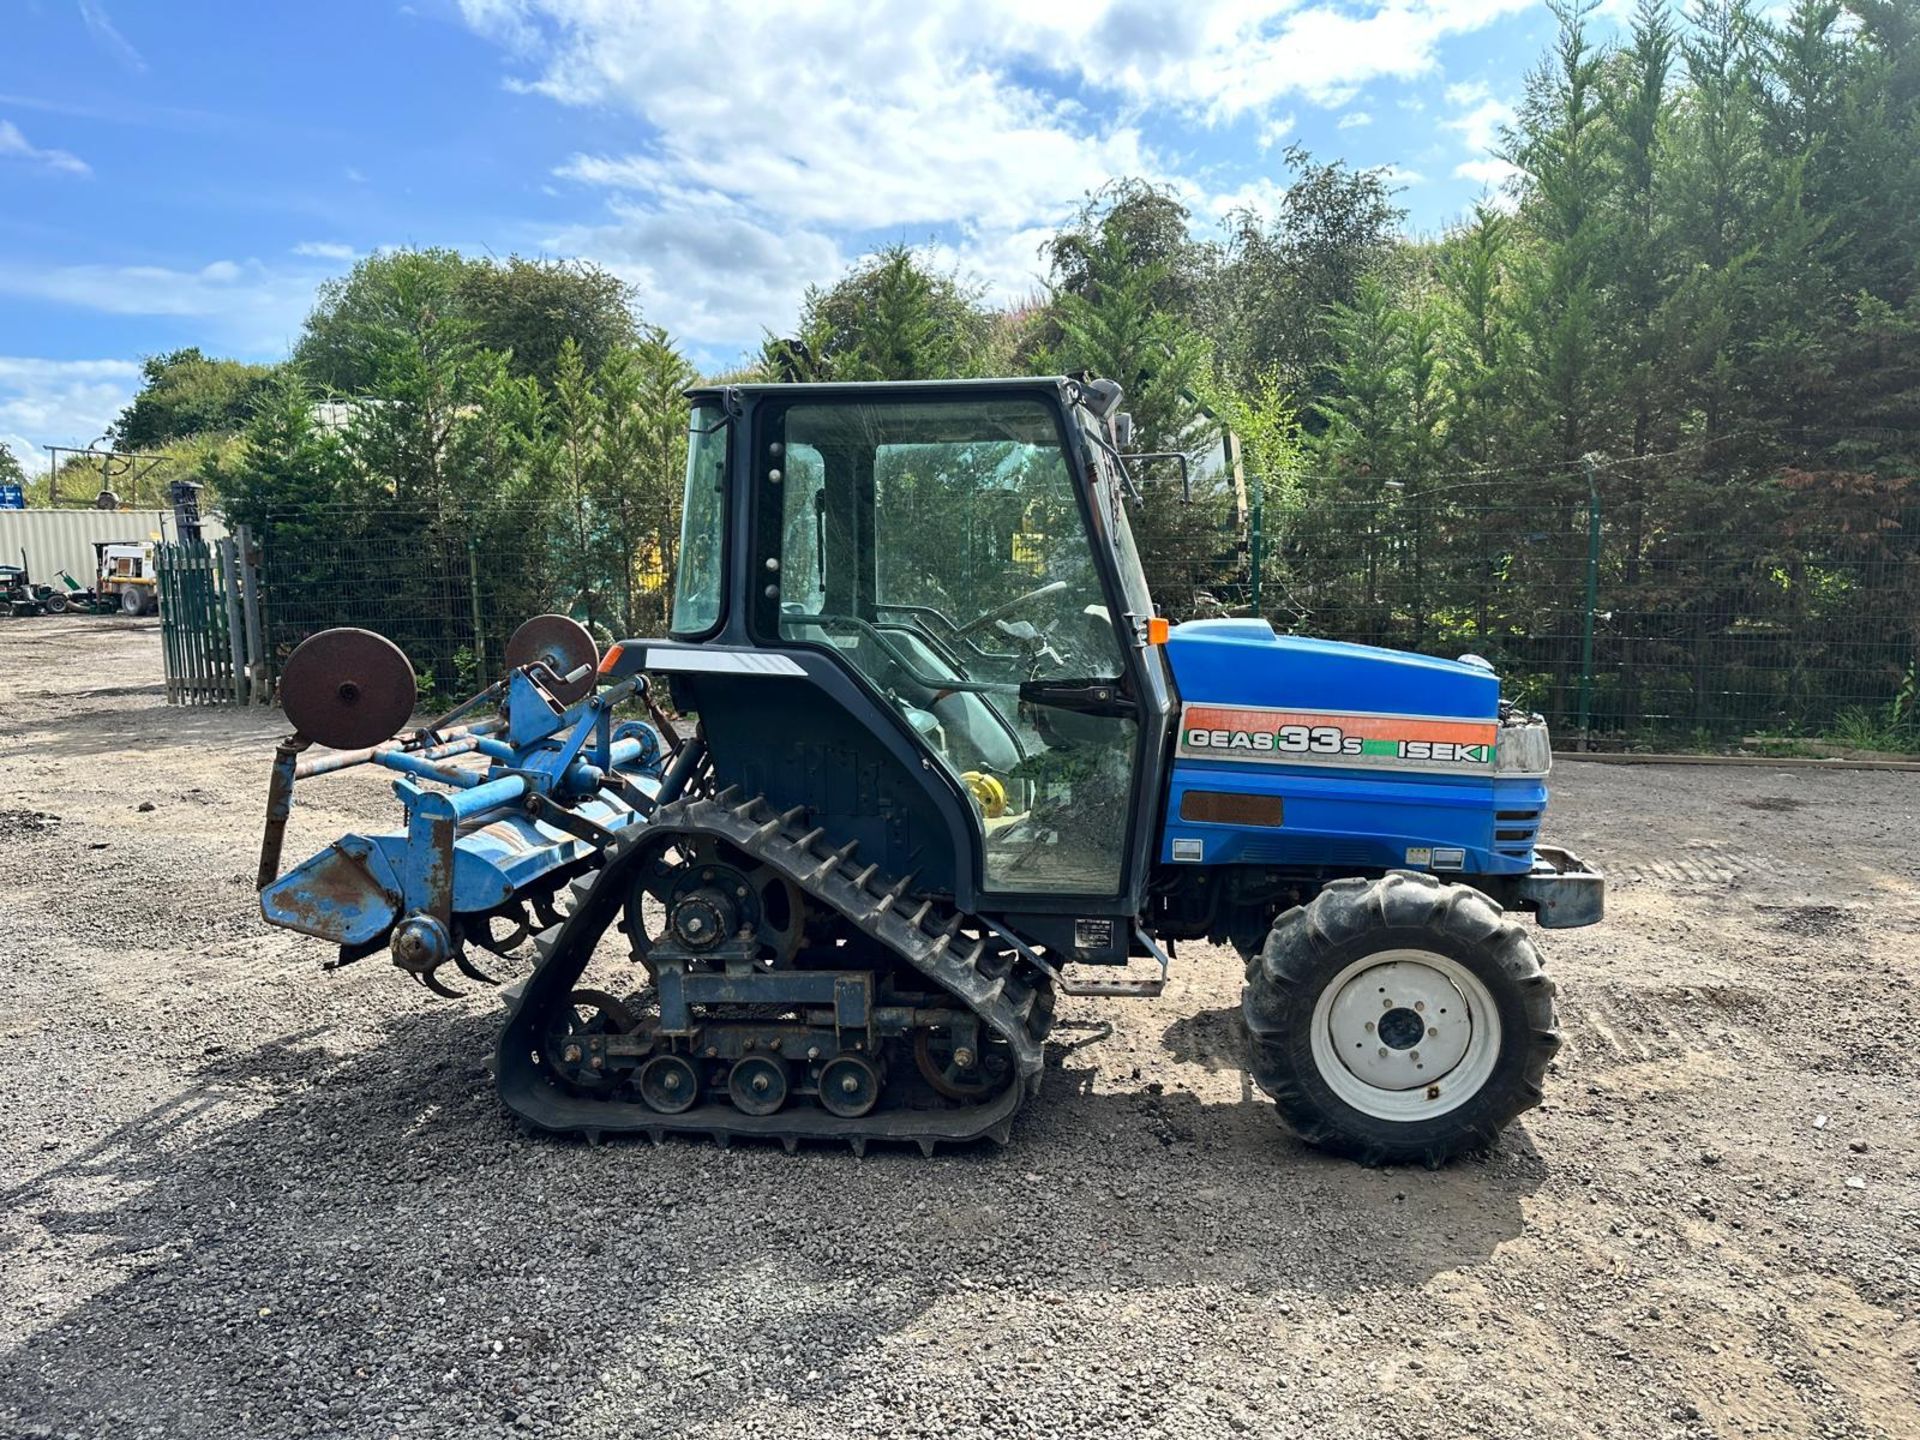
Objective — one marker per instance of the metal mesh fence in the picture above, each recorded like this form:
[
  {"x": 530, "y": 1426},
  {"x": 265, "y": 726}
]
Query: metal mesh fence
[
  {"x": 449, "y": 591},
  {"x": 1687, "y": 617},
  {"x": 1703, "y": 617}
]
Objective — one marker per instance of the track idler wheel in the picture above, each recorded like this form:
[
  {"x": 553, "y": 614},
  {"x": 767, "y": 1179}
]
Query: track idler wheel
[
  {"x": 757, "y": 1085},
  {"x": 849, "y": 1086},
  {"x": 669, "y": 1084}
]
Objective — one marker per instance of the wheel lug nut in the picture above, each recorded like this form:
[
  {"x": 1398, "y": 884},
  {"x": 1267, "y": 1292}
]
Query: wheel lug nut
[
  {"x": 1369, "y": 1027},
  {"x": 1383, "y": 1052},
  {"x": 571, "y": 1054}
]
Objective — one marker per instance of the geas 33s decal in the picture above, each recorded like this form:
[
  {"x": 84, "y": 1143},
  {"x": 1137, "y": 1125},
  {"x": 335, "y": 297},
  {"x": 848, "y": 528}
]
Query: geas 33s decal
[{"x": 1347, "y": 741}]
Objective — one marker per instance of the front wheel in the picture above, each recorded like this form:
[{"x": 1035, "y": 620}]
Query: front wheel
[{"x": 1399, "y": 1019}]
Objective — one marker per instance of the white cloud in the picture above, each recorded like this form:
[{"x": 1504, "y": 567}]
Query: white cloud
[
  {"x": 1273, "y": 131},
  {"x": 60, "y": 402},
  {"x": 1008, "y": 264},
  {"x": 1261, "y": 196},
  {"x": 324, "y": 250},
  {"x": 1354, "y": 119},
  {"x": 1479, "y": 121},
  {"x": 14, "y": 145},
  {"x": 838, "y": 127},
  {"x": 709, "y": 272},
  {"x": 1491, "y": 172},
  {"x": 240, "y": 304},
  {"x": 109, "y": 37},
  {"x": 1401, "y": 175}
]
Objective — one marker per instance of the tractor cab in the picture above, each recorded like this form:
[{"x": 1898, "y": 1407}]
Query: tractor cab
[{"x": 944, "y": 577}]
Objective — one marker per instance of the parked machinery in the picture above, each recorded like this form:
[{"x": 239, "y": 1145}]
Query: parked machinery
[
  {"x": 24, "y": 596},
  {"x": 949, "y": 766},
  {"x": 124, "y": 577}
]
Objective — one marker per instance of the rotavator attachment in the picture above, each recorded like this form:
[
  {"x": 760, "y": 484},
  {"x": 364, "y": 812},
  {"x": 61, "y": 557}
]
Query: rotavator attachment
[{"x": 507, "y": 796}]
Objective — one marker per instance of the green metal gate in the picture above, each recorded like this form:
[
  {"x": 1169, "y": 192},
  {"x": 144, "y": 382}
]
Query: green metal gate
[{"x": 209, "y": 622}]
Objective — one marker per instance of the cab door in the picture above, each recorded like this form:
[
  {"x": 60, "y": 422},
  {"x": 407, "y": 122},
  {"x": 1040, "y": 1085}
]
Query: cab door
[{"x": 939, "y": 548}]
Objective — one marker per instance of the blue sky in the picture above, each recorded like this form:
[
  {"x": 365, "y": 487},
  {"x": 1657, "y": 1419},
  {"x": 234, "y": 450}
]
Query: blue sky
[{"x": 178, "y": 172}]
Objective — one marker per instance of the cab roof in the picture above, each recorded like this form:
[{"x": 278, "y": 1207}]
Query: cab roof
[{"x": 870, "y": 388}]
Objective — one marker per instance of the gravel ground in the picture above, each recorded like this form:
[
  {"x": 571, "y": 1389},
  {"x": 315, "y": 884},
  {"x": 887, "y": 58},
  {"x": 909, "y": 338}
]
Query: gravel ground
[{"x": 245, "y": 1198}]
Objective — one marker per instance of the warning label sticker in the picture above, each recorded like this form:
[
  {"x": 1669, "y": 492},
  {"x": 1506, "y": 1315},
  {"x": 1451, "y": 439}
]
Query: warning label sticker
[{"x": 1296, "y": 737}]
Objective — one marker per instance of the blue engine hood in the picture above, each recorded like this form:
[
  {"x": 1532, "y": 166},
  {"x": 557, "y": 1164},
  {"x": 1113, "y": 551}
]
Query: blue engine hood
[{"x": 1243, "y": 662}]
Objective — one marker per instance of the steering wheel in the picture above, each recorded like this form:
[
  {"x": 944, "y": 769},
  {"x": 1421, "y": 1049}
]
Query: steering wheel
[{"x": 1000, "y": 612}]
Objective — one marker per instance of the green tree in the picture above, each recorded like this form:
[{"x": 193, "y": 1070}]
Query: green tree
[
  {"x": 185, "y": 393},
  {"x": 1154, "y": 226},
  {"x": 426, "y": 372},
  {"x": 11, "y": 471},
  {"x": 1474, "y": 268},
  {"x": 1364, "y": 434},
  {"x": 290, "y": 480},
  {"x": 1561, "y": 146},
  {"x": 1279, "y": 277},
  {"x": 891, "y": 317},
  {"x": 523, "y": 309},
  {"x": 1112, "y": 327}
]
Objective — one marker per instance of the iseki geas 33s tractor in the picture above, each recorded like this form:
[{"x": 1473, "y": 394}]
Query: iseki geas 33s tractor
[{"x": 944, "y": 766}]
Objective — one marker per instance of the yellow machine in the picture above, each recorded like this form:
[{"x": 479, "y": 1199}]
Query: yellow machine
[{"x": 125, "y": 573}]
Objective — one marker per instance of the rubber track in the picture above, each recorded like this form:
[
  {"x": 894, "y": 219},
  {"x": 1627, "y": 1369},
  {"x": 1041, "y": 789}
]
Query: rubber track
[{"x": 925, "y": 933}]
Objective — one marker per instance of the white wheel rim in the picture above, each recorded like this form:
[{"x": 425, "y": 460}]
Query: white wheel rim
[{"x": 1405, "y": 1035}]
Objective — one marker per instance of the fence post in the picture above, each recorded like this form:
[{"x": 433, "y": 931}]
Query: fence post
[
  {"x": 1259, "y": 507},
  {"x": 480, "y": 670},
  {"x": 1593, "y": 601},
  {"x": 226, "y": 549},
  {"x": 260, "y": 681}
]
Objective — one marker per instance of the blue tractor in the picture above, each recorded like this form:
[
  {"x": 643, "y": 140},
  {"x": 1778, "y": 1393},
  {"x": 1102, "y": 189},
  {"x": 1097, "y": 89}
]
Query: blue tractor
[{"x": 940, "y": 764}]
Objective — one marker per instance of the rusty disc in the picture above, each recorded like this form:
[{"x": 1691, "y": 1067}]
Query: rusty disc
[
  {"x": 348, "y": 689},
  {"x": 564, "y": 645}
]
